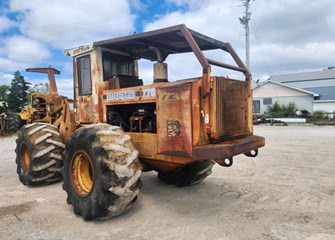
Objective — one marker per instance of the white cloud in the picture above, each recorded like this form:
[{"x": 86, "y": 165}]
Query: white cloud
[
  {"x": 294, "y": 35},
  {"x": 46, "y": 27},
  {"x": 7, "y": 65},
  {"x": 137, "y": 5},
  {"x": 213, "y": 19},
  {"x": 20, "y": 52},
  {"x": 23, "y": 49},
  {"x": 5, "y": 79},
  {"x": 191, "y": 4},
  {"x": 291, "y": 58},
  {"x": 65, "y": 24},
  {"x": 6, "y": 23},
  {"x": 65, "y": 87}
]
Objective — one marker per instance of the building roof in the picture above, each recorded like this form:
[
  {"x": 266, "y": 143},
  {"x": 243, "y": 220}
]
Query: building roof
[
  {"x": 322, "y": 83},
  {"x": 325, "y": 93},
  {"x": 287, "y": 86},
  {"x": 305, "y": 76}
]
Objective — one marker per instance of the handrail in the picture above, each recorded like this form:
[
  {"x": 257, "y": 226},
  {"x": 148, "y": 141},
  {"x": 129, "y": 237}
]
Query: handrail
[{"x": 225, "y": 65}]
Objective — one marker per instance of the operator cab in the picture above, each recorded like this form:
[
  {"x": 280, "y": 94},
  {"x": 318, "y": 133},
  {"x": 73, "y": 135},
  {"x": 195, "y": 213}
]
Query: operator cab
[{"x": 98, "y": 69}]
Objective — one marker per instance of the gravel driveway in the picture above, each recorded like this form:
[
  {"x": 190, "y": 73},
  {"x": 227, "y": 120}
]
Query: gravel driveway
[{"x": 287, "y": 192}]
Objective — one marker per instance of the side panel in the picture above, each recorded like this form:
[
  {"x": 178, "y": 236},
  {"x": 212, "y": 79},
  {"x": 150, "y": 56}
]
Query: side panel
[
  {"x": 174, "y": 124},
  {"x": 146, "y": 144}
]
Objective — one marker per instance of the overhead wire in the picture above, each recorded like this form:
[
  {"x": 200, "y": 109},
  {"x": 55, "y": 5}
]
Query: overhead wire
[
  {"x": 259, "y": 41},
  {"x": 261, "y": 47}
]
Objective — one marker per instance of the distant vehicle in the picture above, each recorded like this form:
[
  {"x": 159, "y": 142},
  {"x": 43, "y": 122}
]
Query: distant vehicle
[
  {"x": 270, "y": 121},
  {"x": 44, "y": 107}
]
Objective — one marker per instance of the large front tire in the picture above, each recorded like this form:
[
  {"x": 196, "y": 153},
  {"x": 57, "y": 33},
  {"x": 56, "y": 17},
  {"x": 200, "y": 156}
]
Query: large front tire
[
  {"x": 39, "y": 154},
  {"x": 101, "y": 172},
  {"x": 189, "y": 175}
]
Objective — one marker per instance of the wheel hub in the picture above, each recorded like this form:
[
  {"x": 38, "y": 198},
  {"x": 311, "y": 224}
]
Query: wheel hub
[
  {"x": 24, "y": 157},
  {"x": 82, "y": 174}
]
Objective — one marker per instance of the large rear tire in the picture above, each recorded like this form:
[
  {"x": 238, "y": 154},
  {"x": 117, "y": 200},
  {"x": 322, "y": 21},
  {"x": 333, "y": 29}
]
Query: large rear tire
[
  {"x": 13, "y": 121},
  {"x": 39, "y": 154},
  {"x": 188, "y": 175},
  {"x": 101, "y": 172}
]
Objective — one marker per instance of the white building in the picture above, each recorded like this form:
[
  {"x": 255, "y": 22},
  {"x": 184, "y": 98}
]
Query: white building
[{"x": 309, "y": 91}]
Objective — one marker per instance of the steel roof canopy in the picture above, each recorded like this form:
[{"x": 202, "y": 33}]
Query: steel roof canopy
[
  {"x": 171, "y": 40},
  {"x": 158, "y": 44}
]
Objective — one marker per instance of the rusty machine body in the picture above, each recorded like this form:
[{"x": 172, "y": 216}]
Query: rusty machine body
[
  {"x": 49, "y": 107},
  {"x": 171, "y": 123},
  {"x": 179, "y": 129},
  {"x": 42, "y": 106}
]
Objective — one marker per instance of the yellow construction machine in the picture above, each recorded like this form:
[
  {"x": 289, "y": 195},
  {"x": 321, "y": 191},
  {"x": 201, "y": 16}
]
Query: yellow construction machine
[{"x": 120, "y": 127}]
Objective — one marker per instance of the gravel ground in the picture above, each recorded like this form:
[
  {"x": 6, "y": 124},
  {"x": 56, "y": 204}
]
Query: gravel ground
[{"x": 287, "y": 192}]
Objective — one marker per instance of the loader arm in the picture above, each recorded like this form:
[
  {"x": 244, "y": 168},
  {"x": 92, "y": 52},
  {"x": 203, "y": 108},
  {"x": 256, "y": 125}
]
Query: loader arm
[{"x": 51, "y": 76}]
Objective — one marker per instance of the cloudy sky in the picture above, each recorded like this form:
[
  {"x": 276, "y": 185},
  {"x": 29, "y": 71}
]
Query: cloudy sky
[{"x": 285, "y": 36}]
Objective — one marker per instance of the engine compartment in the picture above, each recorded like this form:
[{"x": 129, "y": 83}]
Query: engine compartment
[{"x": 133, "y": 117}]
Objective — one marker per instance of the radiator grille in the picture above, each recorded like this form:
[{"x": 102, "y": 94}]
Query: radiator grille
[{"x": 230, "y": 105}]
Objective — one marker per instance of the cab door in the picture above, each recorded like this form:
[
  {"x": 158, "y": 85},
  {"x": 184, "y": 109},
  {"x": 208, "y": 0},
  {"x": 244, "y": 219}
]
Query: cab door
[{"x": 84, "y": 98}]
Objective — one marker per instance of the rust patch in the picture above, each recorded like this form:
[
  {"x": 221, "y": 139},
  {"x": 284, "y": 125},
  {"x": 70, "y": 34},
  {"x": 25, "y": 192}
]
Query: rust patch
[{"x": 173, "y": 128}]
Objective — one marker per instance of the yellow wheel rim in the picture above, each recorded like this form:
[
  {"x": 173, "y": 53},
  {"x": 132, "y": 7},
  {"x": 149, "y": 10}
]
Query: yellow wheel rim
[
  {"x": 82, "y": 174},
  {"x": 24, "y": 157}
]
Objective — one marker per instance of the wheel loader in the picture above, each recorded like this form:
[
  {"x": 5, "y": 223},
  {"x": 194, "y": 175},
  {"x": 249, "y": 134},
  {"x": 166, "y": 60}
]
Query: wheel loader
[
  {"x": 120, "y": 127},
  {"x": 44, "y": 107}
]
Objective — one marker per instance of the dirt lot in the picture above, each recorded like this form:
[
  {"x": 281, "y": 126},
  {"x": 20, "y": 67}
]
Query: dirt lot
[{"x": 287, "y": 192}]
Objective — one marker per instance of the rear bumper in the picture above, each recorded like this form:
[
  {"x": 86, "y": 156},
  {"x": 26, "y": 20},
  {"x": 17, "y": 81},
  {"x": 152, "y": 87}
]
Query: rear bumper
[{"x": 228, "y": 148}]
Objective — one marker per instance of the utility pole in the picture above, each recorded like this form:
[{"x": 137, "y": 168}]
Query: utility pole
[{"x": 245, "y": 22}]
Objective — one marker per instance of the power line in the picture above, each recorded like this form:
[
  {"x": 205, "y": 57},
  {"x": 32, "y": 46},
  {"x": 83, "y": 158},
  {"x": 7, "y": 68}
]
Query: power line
[{"x": 260, "y": 43}]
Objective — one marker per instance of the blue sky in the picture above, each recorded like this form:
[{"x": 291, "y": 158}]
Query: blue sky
[{"x": 285, "y": 36}]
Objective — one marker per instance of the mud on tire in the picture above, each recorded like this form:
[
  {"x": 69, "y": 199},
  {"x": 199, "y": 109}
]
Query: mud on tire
[
  {"x": 39, "y": 154},
  {"x": 188, "y": 175},
  {"x": 101, "y": 171}
]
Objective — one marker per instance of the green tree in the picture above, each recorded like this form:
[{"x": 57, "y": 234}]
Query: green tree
[
  {"x": 318, "y": 115},
  {"x": 281, "y": 110},
  {"x": 4, "y": 90},
  {"x": 18, "y": 92},
  {"x": 291, "y": 109},
  {"x": 275, "y": 110},
  {"x": 38, "y": 88}
]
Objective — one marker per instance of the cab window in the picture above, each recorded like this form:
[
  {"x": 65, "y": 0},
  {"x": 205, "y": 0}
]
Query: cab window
[
  {"x": 84, "y": 75},
  {"x": 116, "y": 65}
]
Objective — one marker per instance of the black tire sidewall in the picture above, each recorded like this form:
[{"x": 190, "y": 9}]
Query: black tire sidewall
[
  {"x": 13, "y": 121},
  {"x": 24, "y": 176},
  {"x": 38, "y": 177},
  {"x": 187, "y": 175},
  {"x": 91, "y": 206}
]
